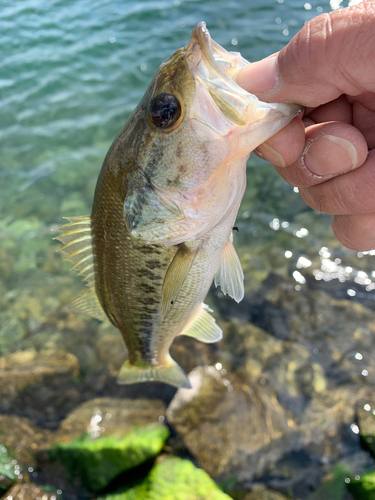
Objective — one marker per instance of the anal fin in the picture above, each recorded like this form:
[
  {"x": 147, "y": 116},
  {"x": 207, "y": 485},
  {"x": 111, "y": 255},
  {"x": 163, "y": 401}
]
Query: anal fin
[
  {"x": 171, "y": 374},
  {"x": 203, "y": 327},
  {"x": 230, "y": 275},
  {"x": 176, "y": 274}
]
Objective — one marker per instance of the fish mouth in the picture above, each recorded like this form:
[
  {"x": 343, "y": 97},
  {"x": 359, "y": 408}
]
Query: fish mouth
[
  {"x": 214, "y": 69},
  {"x": 202, "y": 48}
]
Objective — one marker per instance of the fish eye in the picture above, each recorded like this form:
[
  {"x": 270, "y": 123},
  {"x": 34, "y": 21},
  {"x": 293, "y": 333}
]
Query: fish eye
[{"x": 165, "y": 110}]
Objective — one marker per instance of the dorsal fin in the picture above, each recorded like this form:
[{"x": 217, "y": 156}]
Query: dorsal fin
[
  {"x": 203, "y": 326},
  {"x": 77, "y": 241},
  {"x": 230, "y": 275}
]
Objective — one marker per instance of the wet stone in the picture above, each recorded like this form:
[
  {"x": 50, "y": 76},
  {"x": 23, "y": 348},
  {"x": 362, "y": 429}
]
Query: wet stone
[
  {"x": 259, "y": 492},
  {"x": 366, "y": 424},
  {"x": 94, "y": 463},
  {"x": 38, "y": 385},
  {"x": 328, "y": 428},
  {"x": 363, "y": 488},
  {"x": 173, "y": 479},
  {"x": 231, "y": 427},
  {"x": 110, "y": 416},
  {"x": 288, "y": 367},
  {"x": 8, "y": 469},
  {"x": 30, "y": 491},
  {"x": 22, "y": 438},
  {"x": 190, "y": 353},
  {"x": 74, "y": 462}
]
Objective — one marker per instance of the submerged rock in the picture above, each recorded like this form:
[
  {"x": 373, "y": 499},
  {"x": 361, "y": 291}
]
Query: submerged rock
[
  {"x": 8, "y": 470},
  {"x": 173, "y": 479},
  {"x": 23, "y": 439},
  {"x": 229, "y": 425},
  {"x": 110, "y": 416},
  {"x": 93, "y": 464},
  {"x": 259, "y": 492},
  {"x": 38, "y": 385},
  {"x": 363, "y": 488},
  {"x": 30, "y": 491},
  {"x": 366, "y": 424}
]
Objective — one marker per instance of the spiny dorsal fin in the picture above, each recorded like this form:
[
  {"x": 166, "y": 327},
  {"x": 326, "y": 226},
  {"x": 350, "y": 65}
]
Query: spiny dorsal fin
[
  {"x": 176, "y": 275},
  {"x": 76, "y": 238},
  {"x": 77, "y": 241},
  {"x": 203, "y": 326},
  {"x": 169, "y": 373},
  {"x": 230, "y": 275}
]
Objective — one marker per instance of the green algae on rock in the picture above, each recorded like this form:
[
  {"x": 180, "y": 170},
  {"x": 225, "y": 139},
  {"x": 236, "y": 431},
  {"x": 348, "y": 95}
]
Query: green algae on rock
[
  {"x": 364, "y": 487},
  {"x": 7, "y": 469},
  {"x": 366, "y": 424},
  {"x": 173, "y": 479},
  {"x": 93, "y": 464}
]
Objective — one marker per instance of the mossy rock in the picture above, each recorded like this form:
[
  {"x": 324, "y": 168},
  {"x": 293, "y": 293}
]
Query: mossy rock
[
  {"x": 332, "y": 486},
  {"x": 364, "y": 487},
  {"x": 173, "y": 479},
  {"x": 366, "y": 423},
  {"x": 93, "y": 464},
  {"x": 7, "y": 469}
]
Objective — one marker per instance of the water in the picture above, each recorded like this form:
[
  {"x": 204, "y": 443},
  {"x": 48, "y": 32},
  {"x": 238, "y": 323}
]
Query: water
[{"x": 71, "y": 72}]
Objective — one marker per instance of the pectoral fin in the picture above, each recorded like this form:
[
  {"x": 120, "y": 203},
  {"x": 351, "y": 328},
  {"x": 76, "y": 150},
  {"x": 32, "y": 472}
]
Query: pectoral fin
[
  {"x": 176, "y": 275},
  {"x": 230, "y": 275},
  {"x": 203, "y": 327}
]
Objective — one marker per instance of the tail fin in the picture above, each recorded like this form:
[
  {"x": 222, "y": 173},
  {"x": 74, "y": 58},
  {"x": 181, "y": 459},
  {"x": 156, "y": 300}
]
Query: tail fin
[{"x": 171, "y": 374}]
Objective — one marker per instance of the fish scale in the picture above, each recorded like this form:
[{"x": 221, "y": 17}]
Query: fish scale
[{"x": 165, "y": 204}]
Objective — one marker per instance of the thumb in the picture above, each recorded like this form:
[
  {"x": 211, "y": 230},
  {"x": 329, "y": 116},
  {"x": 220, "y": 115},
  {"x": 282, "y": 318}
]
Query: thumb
[{"x": 330, "y": 56}]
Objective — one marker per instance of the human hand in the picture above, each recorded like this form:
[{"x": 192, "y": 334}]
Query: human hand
[{"x": 329, "y": 67}]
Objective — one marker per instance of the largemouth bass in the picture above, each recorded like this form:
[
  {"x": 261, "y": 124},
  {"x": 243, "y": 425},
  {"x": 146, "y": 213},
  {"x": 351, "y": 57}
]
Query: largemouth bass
[{"x": 165, "y": 205}]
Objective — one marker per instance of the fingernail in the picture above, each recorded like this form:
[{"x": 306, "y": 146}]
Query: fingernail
[
  {"x": 258, "y": 77},
  {"x": 330, "y": 155},
  {"x": 271, "y": 155}
]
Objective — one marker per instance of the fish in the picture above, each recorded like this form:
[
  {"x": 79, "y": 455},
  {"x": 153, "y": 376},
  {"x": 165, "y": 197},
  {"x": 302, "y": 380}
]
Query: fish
[{"x": 165, "y": 204}]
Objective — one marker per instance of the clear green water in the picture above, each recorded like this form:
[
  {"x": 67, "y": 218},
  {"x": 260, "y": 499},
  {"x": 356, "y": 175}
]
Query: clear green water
[{"x": 71, "y": 72}]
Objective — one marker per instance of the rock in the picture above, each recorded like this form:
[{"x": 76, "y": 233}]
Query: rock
[
  {"x": 112, "y": 352},
  {"x": 333, "y": 485},
  {"x": 30, "y": 491},
  {"x": 8, "y": 470},
  {"x": 259, "y": 492},
  {"x": 363, "y": 488},
  {"x": 229, "y": 425},
  {"x": 38, "y": 385},
  {"x": 109, "y": 416},
  {"x": 327, "y": 428},
  {"x": 173, "y": 479},
  {"x": 93, "y": 464},
  {"x": 190, "y": 353},
  {"x": 366, "y": 424},
  {"x": 288, "y": 367},
  {"x": 23, "y": 439}
]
